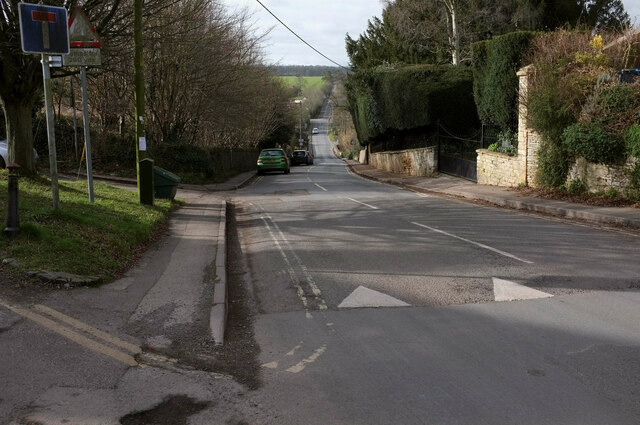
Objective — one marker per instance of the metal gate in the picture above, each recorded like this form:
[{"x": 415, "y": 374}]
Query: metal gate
[{"x": 457, "y": 155}]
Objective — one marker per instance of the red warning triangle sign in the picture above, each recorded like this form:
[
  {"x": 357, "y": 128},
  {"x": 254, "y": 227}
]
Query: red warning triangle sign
[{"x": 81, "y": 32}]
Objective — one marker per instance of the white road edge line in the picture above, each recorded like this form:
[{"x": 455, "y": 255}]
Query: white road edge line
[
  {"x": 322, "y": 305},
  {"x": 481, "y": 245},
  {"x": 320, "y": 187},
  {"x": 290, "y": 271},
  {"x": 362, "y": 203}
]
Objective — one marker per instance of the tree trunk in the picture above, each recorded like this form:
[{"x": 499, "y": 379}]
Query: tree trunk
[
  {"x": 19, "y": 135},
  {"x": 452, "y": 7},
  {"x": 455, "y": 56}
]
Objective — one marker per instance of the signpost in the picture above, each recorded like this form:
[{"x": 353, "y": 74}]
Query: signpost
[
  {"x": 43, "y": 30},
  {"x": 84, "y": 52}
]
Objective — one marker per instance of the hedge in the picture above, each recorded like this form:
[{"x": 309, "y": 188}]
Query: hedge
[
  {"x": 495, "y": 84},
  {"x": 385, "y": 99}
]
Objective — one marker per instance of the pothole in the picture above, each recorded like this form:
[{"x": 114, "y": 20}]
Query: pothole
[{"x": 174, "y": 410}]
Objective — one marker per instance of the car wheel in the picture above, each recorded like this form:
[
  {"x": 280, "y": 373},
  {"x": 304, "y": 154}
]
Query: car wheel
[
  {"x": 2, "y": 164},
  {"x": 260, "y": 172},
  {"x": 287, "y": 171}
]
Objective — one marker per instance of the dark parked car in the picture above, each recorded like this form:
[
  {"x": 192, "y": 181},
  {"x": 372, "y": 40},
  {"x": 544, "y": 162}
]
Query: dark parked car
[{"x": 301, "y": 157}]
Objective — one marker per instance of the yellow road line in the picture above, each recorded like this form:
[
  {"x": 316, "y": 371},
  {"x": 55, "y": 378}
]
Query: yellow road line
[
  {"x": 72, "y": 335},
  {"x": 134, "y": 349}
]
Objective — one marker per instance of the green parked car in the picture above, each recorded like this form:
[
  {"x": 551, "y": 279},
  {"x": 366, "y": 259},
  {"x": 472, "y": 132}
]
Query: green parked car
[{"x": 273, "y": 160}]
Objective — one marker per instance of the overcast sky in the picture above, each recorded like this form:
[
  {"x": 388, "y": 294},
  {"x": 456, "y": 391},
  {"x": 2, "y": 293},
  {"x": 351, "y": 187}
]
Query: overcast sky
[{"x": 324, "y": 24}]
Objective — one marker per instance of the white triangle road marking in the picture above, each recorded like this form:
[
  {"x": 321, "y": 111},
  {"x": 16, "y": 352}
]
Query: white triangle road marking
[
  {"x": 505, "y": 290},
  {"x": 365, "y": 297}
]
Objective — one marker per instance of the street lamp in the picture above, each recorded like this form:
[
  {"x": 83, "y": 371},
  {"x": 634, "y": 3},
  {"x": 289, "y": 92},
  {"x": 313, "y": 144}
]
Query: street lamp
[{"x": 299, "y": 102}]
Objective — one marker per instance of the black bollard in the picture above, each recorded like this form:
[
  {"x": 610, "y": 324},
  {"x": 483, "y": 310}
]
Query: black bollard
[{"x": 13, "y": 221}]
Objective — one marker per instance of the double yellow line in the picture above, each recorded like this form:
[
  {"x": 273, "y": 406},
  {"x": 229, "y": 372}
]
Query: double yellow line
[{"x": 117, "y": 349}]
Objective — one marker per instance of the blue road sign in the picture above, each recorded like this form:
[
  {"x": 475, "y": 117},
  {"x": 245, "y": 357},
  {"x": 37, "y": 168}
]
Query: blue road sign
[{"x": 43, "y": 29}]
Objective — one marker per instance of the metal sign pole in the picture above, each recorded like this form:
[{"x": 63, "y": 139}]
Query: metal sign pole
[
  {"x": 75, "y": 119},
  {"x": 53, "y": 161},
  {"x": 87, "y": 133}
]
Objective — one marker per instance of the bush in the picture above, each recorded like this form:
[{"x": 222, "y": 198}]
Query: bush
[
  {"x": 183, "y": 158},
  {"x": 387, "y": 99},
  {"x": 495, "y": 84},
  {"x": 632, "y": 140},
  {"x": 614, "y": 105},
  {"x": 574, "y": 105},
  {"x": 577, "y": 187},
  {"x": 553, "y": 165},
  {"x": 592, "y": 142},
  {"x": 632, "y": 191}
]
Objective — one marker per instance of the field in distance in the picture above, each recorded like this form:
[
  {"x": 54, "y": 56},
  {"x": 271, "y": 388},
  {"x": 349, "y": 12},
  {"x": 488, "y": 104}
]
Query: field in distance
[{"x": 291, "y": 81}]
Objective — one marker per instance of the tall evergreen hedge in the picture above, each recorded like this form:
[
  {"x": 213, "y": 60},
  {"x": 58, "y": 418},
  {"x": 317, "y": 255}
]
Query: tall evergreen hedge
[
  {"x": 495, "y": 84},
  {"x": 389, "y": 99}
]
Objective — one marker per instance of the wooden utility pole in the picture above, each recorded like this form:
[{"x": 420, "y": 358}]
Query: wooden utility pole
[{"x": 145, "y": 179}]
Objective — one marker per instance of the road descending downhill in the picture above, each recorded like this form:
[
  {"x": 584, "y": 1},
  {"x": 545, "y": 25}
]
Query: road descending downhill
[{"x": 379, "y": 305}]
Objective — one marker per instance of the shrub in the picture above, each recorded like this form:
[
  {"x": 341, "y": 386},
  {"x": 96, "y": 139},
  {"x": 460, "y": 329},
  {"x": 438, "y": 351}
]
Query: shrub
[
  {"x": 632, "y": 140},
  {"x": 498, "y": 147},
  {"x": 592, "y": 142},
  {"x": 386, "y": 99},
  {"x": 614, "y": 105},
  {"x": 183, "y": 158},
  {"x": 611, "y": 192},
  {"x": 553, "y": 165},
  {"x": 575, "y": 106},
  {"x": 632, "y": 191},
  {"x": 495, "y": 84},
  {"x": 577, "y": 187},
  {"x": 555, "y": 103}
]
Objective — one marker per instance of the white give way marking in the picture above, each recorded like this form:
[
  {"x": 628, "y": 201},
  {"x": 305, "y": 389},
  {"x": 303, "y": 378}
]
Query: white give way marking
[
  {"x": 505, "y": 290},
  {"x": 364, "y": 297}
]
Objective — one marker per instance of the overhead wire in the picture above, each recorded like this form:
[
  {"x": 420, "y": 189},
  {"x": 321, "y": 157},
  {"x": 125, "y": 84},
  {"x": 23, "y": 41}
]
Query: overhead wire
[{"x": 300, "y": 38}]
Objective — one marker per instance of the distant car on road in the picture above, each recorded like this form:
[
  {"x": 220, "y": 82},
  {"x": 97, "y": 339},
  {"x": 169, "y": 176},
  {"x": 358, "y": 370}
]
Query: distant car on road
[
  {"x": 301, "y": 157},
  {"x": 273, "y": 160},
  {"x": 315, "y": 130},
  {"x": 4, "y": 154}
]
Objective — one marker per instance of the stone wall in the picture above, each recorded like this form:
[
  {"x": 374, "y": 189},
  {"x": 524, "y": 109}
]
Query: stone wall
[
  {"x": 362, "y": 157},
  {"x": 414, "y": 162},
  {"x": 499, "y": 169},
  {"x": 598, "y": 177}
]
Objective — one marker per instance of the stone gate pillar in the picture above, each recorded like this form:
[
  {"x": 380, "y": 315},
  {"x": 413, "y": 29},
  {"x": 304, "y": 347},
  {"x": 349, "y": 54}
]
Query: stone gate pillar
[{"x": 528, "y": 140}]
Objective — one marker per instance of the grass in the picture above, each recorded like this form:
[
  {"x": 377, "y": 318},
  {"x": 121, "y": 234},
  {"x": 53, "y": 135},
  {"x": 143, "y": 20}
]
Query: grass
[
  {"x": 308, "y": 81},
  {"x": 99, "y": 239}
]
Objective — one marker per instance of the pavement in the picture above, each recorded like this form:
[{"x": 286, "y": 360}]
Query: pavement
[
  {"x": 193, "y": 251},
  {"x": 204, "y": 206}
]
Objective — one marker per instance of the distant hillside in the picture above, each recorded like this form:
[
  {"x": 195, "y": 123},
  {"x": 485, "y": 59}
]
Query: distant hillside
[{"x": 303, "y": 70}]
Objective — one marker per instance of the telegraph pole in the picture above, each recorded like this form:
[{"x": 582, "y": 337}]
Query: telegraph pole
[{"x": 145, "y": 178}]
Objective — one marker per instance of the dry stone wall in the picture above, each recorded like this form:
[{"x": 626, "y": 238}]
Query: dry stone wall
[
  {"x": 414, "y": 162},
  {"x": 599, "y": 177},
  {"x": 499, "y": 169}
]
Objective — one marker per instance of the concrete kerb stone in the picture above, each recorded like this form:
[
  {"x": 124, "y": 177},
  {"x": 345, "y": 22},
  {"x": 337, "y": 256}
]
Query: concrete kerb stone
[{"x": 218, "y": 317}]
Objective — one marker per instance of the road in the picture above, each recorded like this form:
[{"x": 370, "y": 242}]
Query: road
[
  {"x": 484, "y": 316},
  {"x": 350, "y": 302}
]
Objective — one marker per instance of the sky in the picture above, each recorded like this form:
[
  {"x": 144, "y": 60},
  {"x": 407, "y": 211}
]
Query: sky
[{"x": 323, "y": 24}]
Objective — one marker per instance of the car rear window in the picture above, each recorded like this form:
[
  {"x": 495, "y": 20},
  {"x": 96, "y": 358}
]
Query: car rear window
[{"x": 272, "y": 153}]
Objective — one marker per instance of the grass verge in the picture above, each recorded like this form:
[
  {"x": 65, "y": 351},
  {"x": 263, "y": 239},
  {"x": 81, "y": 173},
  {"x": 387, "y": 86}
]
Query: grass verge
[{"x": 100, "y": 239}]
